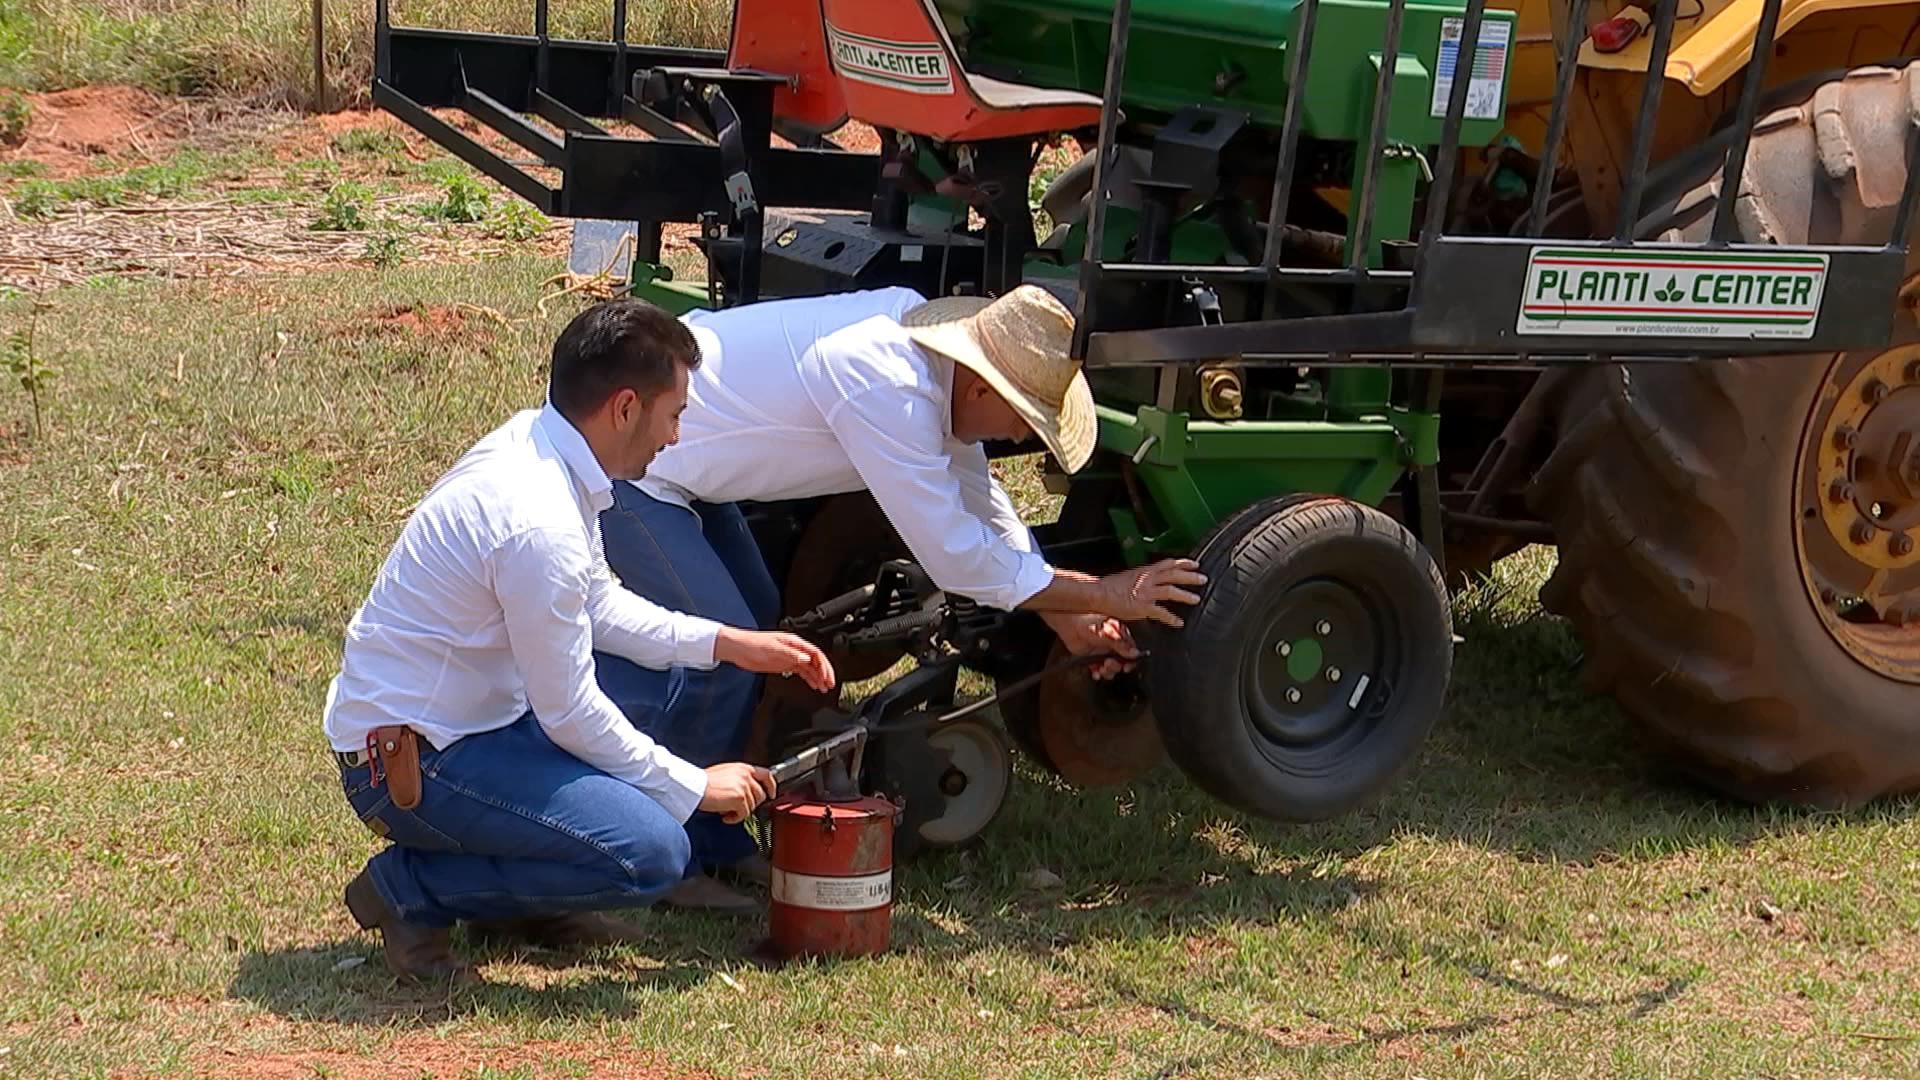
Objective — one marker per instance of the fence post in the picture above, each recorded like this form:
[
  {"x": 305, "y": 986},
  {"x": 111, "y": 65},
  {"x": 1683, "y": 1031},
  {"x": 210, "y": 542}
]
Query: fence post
[{"x": 320, "y": 55}]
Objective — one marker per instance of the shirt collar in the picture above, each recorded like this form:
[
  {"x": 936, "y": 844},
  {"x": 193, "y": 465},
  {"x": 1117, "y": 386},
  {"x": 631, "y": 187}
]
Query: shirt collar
[
  {"x": 576, "y": 455},
  {"x": 942, "y": 369}
]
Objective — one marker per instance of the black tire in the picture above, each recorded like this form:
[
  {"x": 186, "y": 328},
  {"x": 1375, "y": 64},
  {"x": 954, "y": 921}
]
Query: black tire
[
  {"x": 1218, "y": 699},
  {"x": 1677, "y": 494}
]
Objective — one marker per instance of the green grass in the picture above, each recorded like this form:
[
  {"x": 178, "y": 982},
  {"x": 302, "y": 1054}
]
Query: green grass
[
  {"x": 263, "y": 48},
  {"x": 224, "y": 467},
  {"x": 180, "y": 174}
]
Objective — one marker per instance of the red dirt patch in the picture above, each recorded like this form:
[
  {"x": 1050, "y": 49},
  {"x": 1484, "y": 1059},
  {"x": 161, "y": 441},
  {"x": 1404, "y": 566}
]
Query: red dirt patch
[
  {"x": 418, "y": 1055},
  {"x": 418, "y": 320},
  {"x": 313, "y": 136},
  {"x": 70, "y": 128}
]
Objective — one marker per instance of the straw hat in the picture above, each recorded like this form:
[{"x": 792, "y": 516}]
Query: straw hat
[{"x": 1020, "y": 344}]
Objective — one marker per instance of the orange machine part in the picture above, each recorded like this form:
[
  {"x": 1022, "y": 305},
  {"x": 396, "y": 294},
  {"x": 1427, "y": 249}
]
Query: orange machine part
[
  {"x": 788, "y": 37},
  {"x": 898, "y": 69}
]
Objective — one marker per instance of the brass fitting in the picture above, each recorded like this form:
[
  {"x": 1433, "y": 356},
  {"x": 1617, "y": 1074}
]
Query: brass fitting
[{"x": 1221, "y": 393}]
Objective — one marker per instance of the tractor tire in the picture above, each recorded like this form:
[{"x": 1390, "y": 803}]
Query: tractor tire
[
  {"x": 1712, "y": 527},
  {"x": 1315, "y": 664}
]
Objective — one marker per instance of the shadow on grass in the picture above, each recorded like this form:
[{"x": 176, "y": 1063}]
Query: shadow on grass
[
  {"x": 304, "y": 984},
  {"x": 1525, "y": 764}
]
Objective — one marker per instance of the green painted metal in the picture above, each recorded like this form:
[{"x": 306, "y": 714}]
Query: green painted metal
[
  {"x": 1304, "y": 657},
  {"x": 654, "y": 283},
  {"x": 1226, "y": 52},
  {"x": 1198, "y": 472}
]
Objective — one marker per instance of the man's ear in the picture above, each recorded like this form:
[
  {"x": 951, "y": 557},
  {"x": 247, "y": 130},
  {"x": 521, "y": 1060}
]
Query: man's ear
[{"x": 624, "y": 407}]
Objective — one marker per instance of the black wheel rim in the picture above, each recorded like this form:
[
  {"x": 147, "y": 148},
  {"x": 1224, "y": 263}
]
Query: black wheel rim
[{"x": 1317, "y": 677}]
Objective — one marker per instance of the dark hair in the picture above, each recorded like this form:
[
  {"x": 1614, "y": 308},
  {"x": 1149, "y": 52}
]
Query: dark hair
[{"x": 615, "y": 344}]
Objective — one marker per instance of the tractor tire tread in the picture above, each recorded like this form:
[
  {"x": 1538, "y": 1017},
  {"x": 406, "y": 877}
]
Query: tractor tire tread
[{"x": 1661, "y": 536}]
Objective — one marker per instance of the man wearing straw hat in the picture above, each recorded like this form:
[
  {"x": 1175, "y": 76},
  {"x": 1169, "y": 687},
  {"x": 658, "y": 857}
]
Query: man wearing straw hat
[{"x": 881, "y": 390}]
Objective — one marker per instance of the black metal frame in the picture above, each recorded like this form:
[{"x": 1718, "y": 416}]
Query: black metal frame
[
  {"x": 1429, "y": 308},
  {"x": 725, "y": 169},
  {"x": 1437, "y": 314}
]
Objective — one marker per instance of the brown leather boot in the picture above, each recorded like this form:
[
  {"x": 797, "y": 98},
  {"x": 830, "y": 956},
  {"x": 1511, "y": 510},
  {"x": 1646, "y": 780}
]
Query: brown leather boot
[
  {"x": 413, "y": 952},
  {"x": 580, "y": 928}
]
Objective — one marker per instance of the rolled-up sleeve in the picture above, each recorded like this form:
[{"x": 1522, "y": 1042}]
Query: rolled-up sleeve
[
  {"x": 542, "y": 579},
  {"x": 895, "y": 438}
]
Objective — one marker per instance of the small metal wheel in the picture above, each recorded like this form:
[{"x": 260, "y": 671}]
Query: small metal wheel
[
  {"x": 952, "y": 780},
  {"x": 974, "y": 780}
]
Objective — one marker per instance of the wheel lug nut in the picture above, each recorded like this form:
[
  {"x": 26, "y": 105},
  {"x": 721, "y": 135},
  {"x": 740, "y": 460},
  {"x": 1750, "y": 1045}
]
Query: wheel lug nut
[
  {"x": 1285, "y": 648},
  {"x": 1333, "y": 674},
  {"x": 1901, "y": 545},
  {"x": 1862, "y": 531},
  {"x": 1324, "y": 628},
  {"x": 1845, "y": 438},
  {"x": 1293, "y": 696},
  {"x": 1840, "y": 491},
  {"x": 1875, "y": 391}
]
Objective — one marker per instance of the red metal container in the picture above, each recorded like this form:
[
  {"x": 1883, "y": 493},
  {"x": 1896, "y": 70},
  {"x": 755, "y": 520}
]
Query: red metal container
[{"x": 832, "y": 877}]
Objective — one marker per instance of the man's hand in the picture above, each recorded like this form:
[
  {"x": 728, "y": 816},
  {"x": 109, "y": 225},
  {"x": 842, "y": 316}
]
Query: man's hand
[
  {"x": 1133, "y": 595},
  {"x": 774, "y": 652},
  {"x": 1084, "y": 634},
  {"x": 734, "y": 789}
]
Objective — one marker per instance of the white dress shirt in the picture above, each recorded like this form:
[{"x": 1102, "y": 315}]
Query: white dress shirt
[
  {"x": 822, "y": 395},
  {"x": 492, "y": 601}
]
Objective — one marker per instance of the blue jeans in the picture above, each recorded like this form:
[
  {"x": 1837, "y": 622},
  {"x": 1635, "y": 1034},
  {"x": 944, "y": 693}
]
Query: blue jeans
[
  {"x": 702, "y": 562},
  {"x": 511, "y": 826}
]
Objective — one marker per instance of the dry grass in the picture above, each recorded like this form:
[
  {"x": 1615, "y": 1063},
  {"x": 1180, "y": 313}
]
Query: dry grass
[
  {"x": 262, "y": 49},
  {"x": 224, "y": 466}
]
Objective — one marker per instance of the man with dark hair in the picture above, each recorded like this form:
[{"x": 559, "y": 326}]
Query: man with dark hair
[{"x": 467, "y": 721}]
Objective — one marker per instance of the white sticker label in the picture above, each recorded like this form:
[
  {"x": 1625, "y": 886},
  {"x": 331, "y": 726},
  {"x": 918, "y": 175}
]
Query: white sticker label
[
  {"x": 1489, "y": 68},
  {"x": 1707, "y": 294},
  {"x": 832, "y": 893},
  {"x": 917, "y": 67}
]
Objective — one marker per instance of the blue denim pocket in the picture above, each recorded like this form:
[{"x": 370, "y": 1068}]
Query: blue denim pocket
[{"x": 374, "y": 806}]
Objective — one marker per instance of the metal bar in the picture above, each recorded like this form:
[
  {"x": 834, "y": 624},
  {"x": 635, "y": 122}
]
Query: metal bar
[
  {"x": 492, "y": 113},
  {"x": 1244, "y": 275},
  {"x": 1301, "y": 46},
  {"x": 623, "y": 179},
  {"x": 653, "y": 123},
  {"x": 618, "y": 88},
  {"x": 540, "y": 34},
  {"x": 1537, "y": 532},
  {"x": 1440, "y": 193},
  {"x": 1384, "y": 331},
  {"x": 1736, "y": 167},
  {"x": 382, "y": 45},
  {"x": 557, "y": 113},
  {"x": 1656, "y": 79},
  {"x": 1428, "y": 515},
  {"x": 1377, "y": 134},
  {"x": 1108, "y": 152},
  {"x": 320, "y": 55},
  {"x": 543, "y": 198},
  {"x": 1557, "y": 121}
]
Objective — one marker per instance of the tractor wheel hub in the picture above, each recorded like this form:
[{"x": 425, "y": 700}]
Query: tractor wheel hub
[{"x": 1859, "y": 534}]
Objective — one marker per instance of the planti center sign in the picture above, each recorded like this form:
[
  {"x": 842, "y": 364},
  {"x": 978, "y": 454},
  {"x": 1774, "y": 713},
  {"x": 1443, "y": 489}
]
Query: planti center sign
[{"x": 1709, "y": 294}]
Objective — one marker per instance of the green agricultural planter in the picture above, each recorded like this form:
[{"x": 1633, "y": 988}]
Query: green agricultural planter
[{"x": 1299, "y": 234}]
